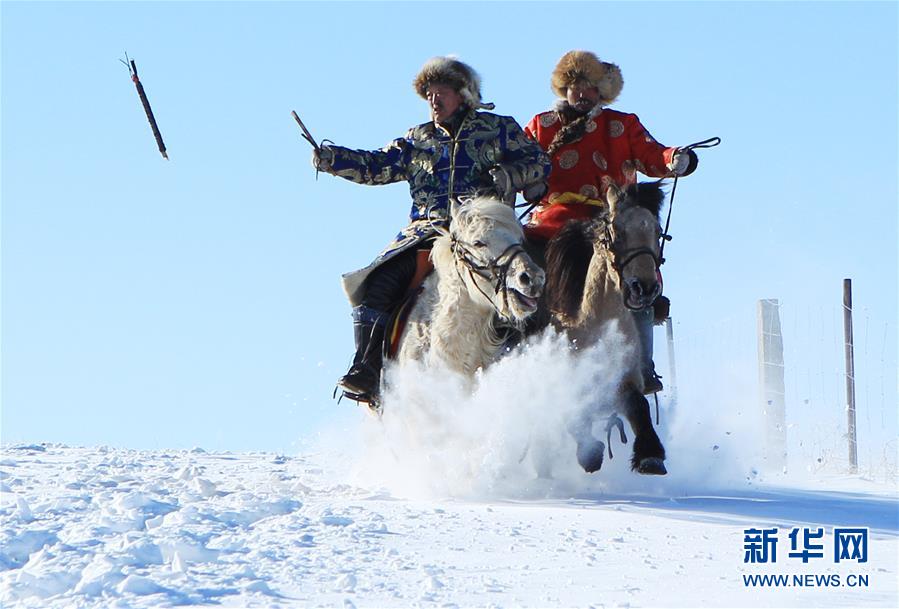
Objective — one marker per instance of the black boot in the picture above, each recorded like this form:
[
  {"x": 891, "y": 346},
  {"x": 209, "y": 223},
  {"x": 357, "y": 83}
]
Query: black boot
[
  {"x": 383, "y": 291},
  {"x": 363, "y": 379},
  {"x": 652, "y": 382}
]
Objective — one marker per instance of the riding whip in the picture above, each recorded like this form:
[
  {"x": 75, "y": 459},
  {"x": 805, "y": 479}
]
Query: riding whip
[
  {"x": 709, "y": 143},
  {"x": 306, "y": 135},
  {"x": 132, "y": 69}
]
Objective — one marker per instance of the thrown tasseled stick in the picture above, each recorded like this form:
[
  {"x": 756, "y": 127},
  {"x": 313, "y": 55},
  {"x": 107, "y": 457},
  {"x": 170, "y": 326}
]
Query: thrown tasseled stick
[{"x": 132, "y": 68}]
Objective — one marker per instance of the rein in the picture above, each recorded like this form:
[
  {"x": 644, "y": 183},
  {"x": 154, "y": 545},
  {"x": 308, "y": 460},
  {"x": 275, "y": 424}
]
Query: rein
[
  {"x": 530, "y": 207},
  {"x": 494, "y": 270}
]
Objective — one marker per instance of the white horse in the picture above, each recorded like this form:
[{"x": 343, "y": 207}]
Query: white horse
[{"x": 482, "y": 276}]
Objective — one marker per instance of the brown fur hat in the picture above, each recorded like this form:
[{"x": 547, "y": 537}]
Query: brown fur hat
[
  {"x": 452, "y": 72},
  {"x": 585, "y": 66}
]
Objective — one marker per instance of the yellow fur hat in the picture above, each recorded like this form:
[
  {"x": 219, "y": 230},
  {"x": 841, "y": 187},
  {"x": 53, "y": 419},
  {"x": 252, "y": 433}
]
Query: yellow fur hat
[{"x": 585, "y": 66}]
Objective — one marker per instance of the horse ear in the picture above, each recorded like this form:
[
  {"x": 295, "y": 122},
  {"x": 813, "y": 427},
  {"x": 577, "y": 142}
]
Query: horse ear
[
  {"x": 614, "y": 197},
  {"x": 454, "y": 208},
  {"x": 457, "y": 211}
]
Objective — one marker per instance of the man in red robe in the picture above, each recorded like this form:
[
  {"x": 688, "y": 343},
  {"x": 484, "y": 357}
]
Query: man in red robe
[{"x": 592, "y": 146}]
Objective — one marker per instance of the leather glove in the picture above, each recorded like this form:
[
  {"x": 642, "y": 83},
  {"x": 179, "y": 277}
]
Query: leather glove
[
  {"x": 322, "y": 158},
  {"x": 683, "y": 163},
  {"x": 502, "y": 181}
]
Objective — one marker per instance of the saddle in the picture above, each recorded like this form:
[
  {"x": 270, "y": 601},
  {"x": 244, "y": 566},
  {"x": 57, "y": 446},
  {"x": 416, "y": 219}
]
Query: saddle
[
  {"x": 547, "y": 220},
  {"x": 400, "y": 315}
]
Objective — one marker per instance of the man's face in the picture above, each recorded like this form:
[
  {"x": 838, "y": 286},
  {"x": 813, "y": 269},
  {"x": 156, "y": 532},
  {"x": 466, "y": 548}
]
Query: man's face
[
  {"x": 582, "y": 96},
  {"x": 443, "y": 100}
]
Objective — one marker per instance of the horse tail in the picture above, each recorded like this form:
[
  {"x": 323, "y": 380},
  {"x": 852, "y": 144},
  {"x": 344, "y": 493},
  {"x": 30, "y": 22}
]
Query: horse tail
[
  {"x": 567, "y": 260},
  {"x": 648, "y": 195}
]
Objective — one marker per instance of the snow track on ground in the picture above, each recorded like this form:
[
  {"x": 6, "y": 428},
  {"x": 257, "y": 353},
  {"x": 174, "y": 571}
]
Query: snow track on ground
[{"x": 101, "y": 527}]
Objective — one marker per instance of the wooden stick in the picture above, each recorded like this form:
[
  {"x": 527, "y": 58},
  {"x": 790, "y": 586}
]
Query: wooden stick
[
  {"x": 306, "y": 135},
  {"x": 149, "y": 111}
]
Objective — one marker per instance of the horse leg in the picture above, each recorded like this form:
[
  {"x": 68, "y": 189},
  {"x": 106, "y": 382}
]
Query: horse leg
[
  {"x": 589, "y": 450},
  {"x": 649, "y": 454}
]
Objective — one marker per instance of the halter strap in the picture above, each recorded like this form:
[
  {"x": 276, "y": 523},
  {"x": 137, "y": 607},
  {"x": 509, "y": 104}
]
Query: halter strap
[{"x": 631, "y": 254}]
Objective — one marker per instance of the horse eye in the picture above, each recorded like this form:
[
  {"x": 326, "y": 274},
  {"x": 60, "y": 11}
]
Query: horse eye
[{"x": 479, "y": 244}]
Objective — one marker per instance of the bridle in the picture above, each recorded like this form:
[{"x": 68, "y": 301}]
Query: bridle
[
  {"x": 628, "y": 256},
  {"x": 494, "y": 270},
  {"x": 620, "y": 259}
]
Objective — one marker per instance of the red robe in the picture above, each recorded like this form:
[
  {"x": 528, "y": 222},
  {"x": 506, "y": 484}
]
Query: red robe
[{"x": 615, "y": 146}]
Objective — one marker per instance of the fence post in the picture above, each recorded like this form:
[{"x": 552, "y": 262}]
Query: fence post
[
  {"x": 669, "y": 331},
  {"x": 850, "y": 375},
  {"x": 771, "y": 383}
]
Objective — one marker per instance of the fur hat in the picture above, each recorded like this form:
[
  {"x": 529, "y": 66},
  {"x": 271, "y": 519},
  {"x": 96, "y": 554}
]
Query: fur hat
[
  {"x": 454, "y": 73},
  {"x": 585, "y": 66}
]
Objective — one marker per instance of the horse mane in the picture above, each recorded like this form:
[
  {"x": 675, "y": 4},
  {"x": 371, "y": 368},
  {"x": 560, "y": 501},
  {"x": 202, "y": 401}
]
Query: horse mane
[
  {"x": 568, "y": 257},
  {"x": 494, "y": 210},
  {"x": 648, "y": 195},
  {"x": 485, "y": 207}
]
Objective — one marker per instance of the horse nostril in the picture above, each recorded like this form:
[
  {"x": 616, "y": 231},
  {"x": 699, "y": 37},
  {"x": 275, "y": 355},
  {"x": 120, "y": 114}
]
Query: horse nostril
[
  {"x": 524, "y": 279},
  {"x": 636, "y": 287}
]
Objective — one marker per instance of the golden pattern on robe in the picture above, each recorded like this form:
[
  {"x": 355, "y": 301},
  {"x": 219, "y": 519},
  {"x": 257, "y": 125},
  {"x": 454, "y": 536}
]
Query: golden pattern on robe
[
  {"x": 568, "y": 159},
  {"x": 589, "y": 190},
  {"x": 616, "y": 128},
  {"x": 549, "y": 119},
  {"x": 438, "y": 167}
]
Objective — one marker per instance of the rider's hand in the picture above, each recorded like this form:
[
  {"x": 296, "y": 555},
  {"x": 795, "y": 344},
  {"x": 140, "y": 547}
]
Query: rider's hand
[
  {"x": 322, "y": 158},
  {"x": 533, "y": 193},
  {"x": 683, "y": 163},
  {"x": 502, "y": 181}
]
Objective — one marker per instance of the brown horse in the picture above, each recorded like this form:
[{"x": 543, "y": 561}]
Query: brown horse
[{"x": 599, "y": 271}]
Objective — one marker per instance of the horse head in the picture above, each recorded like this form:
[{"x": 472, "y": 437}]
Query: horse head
[
  {"x": 635, "y": 233},
  {"x": 485, "y": 240}
]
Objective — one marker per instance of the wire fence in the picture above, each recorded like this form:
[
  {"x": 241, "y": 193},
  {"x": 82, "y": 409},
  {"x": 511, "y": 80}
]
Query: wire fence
[
  {"x": 722, "y": 357},
  {"x": 816, "y": 388}
]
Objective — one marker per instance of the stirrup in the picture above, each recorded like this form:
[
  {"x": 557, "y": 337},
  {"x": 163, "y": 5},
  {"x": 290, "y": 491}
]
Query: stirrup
[
  {"x": 360, "y": 398},
  {"x": 614, "y": 421}
]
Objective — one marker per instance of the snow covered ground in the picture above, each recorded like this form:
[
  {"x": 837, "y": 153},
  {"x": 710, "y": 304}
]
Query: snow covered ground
[
  {"x": 438, "y": 504},
  {"x": 100, "y": 527}
]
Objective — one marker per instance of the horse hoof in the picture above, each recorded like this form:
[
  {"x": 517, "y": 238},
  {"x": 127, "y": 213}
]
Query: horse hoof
[
  {"x": 590, "y": 454},
  {"x": 652, "y": 466}
]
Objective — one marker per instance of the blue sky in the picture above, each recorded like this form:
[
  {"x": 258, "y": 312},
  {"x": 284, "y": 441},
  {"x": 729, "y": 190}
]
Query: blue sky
[{"x": 196, "y": 301}]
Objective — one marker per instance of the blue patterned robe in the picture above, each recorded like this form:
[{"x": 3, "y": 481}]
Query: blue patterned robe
[{"x": 438, "y": 166}]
